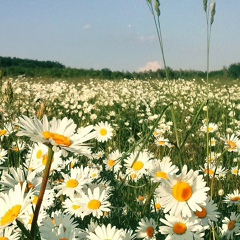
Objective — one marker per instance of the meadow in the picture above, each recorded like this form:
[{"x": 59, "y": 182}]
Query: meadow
[{"x": 127, "y": 159}]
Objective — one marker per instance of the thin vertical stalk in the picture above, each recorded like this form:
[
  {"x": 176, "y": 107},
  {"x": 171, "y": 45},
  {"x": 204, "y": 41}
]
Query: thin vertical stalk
[{"x": 42, "y": 191}]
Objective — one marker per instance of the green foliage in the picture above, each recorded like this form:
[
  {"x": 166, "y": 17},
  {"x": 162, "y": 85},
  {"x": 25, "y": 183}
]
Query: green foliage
[
  {"x": 13, "y": 67},
  {"x": 234, "y": 70}
]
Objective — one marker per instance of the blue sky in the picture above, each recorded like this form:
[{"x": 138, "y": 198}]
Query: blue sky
[{"x": 119, "y": 34}]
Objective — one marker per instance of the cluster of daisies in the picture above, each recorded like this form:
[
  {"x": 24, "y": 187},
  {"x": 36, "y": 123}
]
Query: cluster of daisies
[{"x": 77, "y": 202}]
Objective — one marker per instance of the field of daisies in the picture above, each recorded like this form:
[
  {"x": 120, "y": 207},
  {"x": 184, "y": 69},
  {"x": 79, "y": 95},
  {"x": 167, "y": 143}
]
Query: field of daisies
[{"x": 119, "y": 160}]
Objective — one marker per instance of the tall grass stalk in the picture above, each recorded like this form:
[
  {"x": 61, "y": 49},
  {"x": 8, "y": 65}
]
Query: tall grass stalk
[{"x": 210, "y": 10}]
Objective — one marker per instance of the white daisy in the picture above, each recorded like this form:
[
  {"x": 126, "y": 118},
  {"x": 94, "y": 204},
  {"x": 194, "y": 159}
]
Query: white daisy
[
  {"x": 74, "y": 207},
  {"x": 10, "y": 233},
  {"x": 108, "y": 232},
  {"x": 15, "y": 205},
  {"x": 231, "y": 226},
  {"x": 104, "y": 131},
  {"x": 3, "y": 155},
  {"x": 137, "y": 164},
  {"x": 112, "y": 162},
  {"x": 60, "y": 134},
  {"x": 74, "y": 182},
  {"x": 232, "y": 143},
  {"x": 19, "y": 175},
  {"x": 183, "y": 193},
  {"x": 208, "y": 215},
  {"x": 38, "y": 156},
  {"x": 95, "y": 202},
  {"x": 233, "y": 198},
  {"x": 147, "y": 229},
  {"x": 161, "y": 169},
  {"x": 179, "y": 228},
  {"x": 60, "y": 226}
]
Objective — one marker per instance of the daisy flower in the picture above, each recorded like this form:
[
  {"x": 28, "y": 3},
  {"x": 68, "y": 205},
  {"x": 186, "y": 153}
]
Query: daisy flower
[
  {"x": 161, "y": 142},
  {"x": 73, "y": 206},
  {"x": 3, "y": 155},
  {"x": 95, "y": 202},
  {"x": 208, "y": 213},
  {"x": 112, "y": 162},
  {"x": 232, "y": 143},
  {"x": 183, "y": 193},
  {"x": 60, "y": 226},
  {"x": 106, "y": 232},
  {"x": 10, "y": 233},
  {"x": 179, "y": 228},
  {"x": 233, "y": 198},
  {"x": 155, "y": 204},
  {"x": 137, "y": 164},
  {"x": 104, "y": 131},
  {"x": 231, "y": 226},
  {"x": 6, "y": 130},
  {"x": 147, "y": 229},
  {"x": 19, "y": 175},
  {"x": 235, "y": 171},
  {"x": 59, "y": 134},
  {"x": 161, "y": 169},
  {"x": 15, "y": 205},
  {"x": 48, "y": 199},
  {"x": 211, "y": 128},
  {"x": 18, "y": 146},
  {"x": 211, "y": 170},
  {"x": 38, "y": 156},
  {"x": 74, "y": 182}
]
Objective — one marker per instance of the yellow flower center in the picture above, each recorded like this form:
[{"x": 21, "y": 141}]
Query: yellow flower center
[
  {"x": 75, "y": 207},
  {"x": 57, "y": 138},
  {"x": 45, "y": 159},
  {"x": 15, "y": 149},
  {"x": 138, "y": 165},
  {"x": 39, "y": 154},
  {"x": 235, "y": 199},
  {"x": 10, "y": 215},
  {"x": 232, "y": 145},
  {"x": 35, "y": 200},
  {"x": 29, "y": 186},
  {"x": 150, "y": 231},
  {"x": 182, "y": 191},
  {"x": 180, "y": 228},
  {"x": 201, "y": 214},
  {"x": 63, "y": 238},
  {"x": 111, "y": 163},
  {"x": 72, "y": 183},
  {"x": 3, "y": 132},
  {"x": 158, "y": 206},
  {"x": 94, "y": 204},
  {"x": 141, "y": 198},
  {"x": 209, "y": 172},
  {"x": 162, "y": 175},
  {"x": 235, "y": 171},
  {"x": 161, "y": 143},
  {"x": 231, "y": 225},
  {"x": 3, "y": 238},
  {"x": 133, "y": 175},
  {"x": 210, "y": 129},
  {"x": 103, "y": 132},
  {"x": 94, "y": 175},
  {"x": 31, "y": 218}
]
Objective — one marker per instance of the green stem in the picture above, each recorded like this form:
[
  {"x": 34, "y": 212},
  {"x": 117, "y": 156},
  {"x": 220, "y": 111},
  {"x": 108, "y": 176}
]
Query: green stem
[
  {"x": 24, "y": 230},
  {"x": 42, "y": 190}
]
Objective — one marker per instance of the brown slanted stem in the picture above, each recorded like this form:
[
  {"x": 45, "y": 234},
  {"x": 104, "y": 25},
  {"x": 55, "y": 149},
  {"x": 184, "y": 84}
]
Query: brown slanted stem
[{"x": 42, "y": 190}]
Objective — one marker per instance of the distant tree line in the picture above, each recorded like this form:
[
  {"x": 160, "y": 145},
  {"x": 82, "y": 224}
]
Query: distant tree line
[{"x": 13, "y": 67}]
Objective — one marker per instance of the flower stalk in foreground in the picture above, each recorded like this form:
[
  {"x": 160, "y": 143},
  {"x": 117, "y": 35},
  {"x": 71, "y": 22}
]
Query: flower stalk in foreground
[{"x": 42, "y": 190}]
